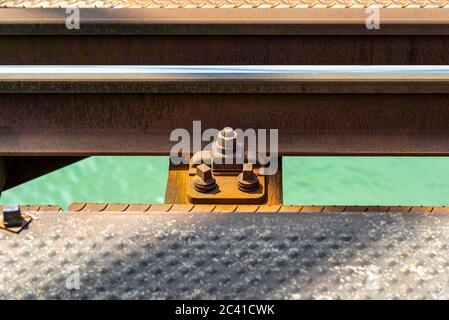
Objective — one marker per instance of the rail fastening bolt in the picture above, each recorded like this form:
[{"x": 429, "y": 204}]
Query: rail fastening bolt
[
  {"x": 248, "y": 181},
  {"x": 204, "y": 180}
]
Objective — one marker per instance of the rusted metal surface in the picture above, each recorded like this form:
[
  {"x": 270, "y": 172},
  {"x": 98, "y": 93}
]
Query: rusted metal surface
[
  {"x": 220, "y": 4},
  {"x": 224, "y": 208},
  {"x": 224, "y": 174},
  {"x": 247, "y": 180},
  {"x": 176, "y": 189},
  {"x": 225, "y": 49},
  {"x": 38, "y": 208},
  {"x": 204, "y": 180},
  {"x": 179, "y": 182},
  {"x": 228, "y": 192},
  {"x": 224, "y": 36},
  {"x": 266, "y": 208},
  {"x": 226, "y": 21},
  {"x": 308, "y": 124},
  {"x": 323, "y": 114}
]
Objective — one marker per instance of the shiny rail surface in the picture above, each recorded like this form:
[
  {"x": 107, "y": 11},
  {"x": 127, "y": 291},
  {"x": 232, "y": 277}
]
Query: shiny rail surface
[
  {"x": 224, "y": 79},
  {"x": 235, "y": 72},
  {"x": 243, "y": 71}
]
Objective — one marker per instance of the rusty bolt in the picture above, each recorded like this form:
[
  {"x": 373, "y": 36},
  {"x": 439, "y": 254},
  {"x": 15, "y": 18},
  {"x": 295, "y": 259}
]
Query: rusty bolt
[
  {"x": 226, "y": 139},
  {"x": 228, "y": 132},
  {"x": 204, "y": 180},
  {"x": 247, "y": 172},
  {"x": 12, "y": 216},
  {"x": 248, "y": 180},
  {"x": 205, "y": 173}
]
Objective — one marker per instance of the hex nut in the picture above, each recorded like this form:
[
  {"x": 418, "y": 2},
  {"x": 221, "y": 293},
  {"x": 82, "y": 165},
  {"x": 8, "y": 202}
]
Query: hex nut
[
  {"x": 226, "y": 139},
  {"x": 248, "y": 181},
  {"x": 204, "y": 180}
]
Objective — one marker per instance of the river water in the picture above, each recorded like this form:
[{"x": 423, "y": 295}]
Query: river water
[{"x": 307, "y": 180}]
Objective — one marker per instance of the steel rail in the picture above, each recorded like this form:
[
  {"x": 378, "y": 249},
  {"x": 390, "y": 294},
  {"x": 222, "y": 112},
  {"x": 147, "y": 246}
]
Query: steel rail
[
  {"x": 224, "y": 79},
  {"x": 224, "y": 36},
  {"x": 392, "y": 114}
]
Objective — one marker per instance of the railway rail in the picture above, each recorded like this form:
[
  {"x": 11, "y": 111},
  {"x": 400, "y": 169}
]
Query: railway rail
[{"x": 351, "y": 111}]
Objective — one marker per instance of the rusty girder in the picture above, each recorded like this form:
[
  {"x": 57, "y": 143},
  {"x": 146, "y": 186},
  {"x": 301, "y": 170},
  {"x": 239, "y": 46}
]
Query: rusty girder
[{"x": 211, "y": 36}]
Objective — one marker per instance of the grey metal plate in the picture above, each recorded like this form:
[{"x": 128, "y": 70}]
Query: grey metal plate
[{"x": 229, "y": 256}]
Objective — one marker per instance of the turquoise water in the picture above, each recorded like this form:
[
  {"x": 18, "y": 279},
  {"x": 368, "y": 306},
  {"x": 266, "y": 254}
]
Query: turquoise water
[
  {"x": 97, "y": 179},
  {"x": 307, "y": 180}
]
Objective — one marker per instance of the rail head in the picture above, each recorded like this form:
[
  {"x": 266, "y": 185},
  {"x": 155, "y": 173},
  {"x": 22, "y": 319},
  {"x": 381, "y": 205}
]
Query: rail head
[{"x": 224, "y": 79}]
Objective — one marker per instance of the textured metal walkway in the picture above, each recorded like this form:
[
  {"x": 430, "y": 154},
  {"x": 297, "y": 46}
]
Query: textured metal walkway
[
  {"x": 231, "y": 256},
  {"x": 224, "y": 4}
]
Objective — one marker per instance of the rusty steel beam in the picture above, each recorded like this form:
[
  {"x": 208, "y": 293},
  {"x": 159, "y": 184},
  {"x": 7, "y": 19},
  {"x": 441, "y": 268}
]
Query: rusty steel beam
[
  {"x": 308, "y": 124},
  {"x": 224, "y": 36},
  {"x": 316, "y": 114},
  {"x": 224, "y": 49}
]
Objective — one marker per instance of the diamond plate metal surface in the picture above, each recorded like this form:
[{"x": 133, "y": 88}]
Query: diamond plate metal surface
[
  {"x": 231, "y": 256},
  {"x": 225, "y": 3}
]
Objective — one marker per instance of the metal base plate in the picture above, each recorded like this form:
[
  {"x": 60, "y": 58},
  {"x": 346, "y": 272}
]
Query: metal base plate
[{"x": 227, "y": 192}]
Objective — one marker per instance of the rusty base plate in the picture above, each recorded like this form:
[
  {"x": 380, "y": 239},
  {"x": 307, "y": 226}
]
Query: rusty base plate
[{"x": 227, "y": 192}]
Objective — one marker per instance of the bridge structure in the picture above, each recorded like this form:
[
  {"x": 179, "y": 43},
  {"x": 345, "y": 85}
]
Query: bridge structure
[{"x": 135, "y": 71}]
